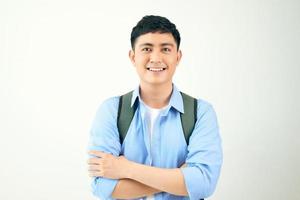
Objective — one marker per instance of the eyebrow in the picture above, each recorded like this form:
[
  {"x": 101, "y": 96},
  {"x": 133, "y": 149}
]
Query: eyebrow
[
  {"x": 167, "y": 44},
  {"x": 150, "y": 44}
]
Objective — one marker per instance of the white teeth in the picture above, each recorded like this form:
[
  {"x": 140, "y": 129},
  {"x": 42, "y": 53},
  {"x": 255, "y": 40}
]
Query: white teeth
[{"x": 156, "y": 69}]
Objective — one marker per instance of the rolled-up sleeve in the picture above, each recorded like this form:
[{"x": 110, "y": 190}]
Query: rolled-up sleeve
[
  {"x": 204, "y": 158},
  {"x": 104, "y": 137}
]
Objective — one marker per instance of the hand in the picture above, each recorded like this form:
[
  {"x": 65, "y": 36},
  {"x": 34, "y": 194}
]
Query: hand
[
  {"x": 108, "y": 166},
  {"x": 184, "y": 165}
]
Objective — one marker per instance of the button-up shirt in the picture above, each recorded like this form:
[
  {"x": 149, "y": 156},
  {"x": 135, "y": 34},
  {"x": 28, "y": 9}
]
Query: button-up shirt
[{"x": 169, "y": 149}]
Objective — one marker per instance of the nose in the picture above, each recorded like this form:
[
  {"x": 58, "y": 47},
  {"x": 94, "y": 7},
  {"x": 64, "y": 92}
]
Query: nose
[{"x": 155, "y": 57}]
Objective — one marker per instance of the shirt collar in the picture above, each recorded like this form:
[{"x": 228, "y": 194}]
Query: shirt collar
[
  {"x": 135, "y": 95},
  {"x": 175, "y": 100}
]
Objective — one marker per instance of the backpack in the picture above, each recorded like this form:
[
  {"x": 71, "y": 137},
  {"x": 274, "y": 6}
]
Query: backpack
[{"x": 126, "y": 113}]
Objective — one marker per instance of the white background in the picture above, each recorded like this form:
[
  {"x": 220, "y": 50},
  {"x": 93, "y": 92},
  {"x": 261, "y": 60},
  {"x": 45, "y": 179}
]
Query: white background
[{"x": 60, "y": 59}]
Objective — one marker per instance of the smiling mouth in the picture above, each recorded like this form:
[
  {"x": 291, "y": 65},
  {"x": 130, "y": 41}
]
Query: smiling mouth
[{"x": 156, "y": 69}]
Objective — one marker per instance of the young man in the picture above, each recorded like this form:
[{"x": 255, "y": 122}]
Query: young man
[{"x": 154, "y": 160}]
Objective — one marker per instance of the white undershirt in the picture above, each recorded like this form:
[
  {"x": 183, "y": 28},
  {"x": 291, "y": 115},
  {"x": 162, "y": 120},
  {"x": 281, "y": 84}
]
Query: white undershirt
[{"x": 151, "y": 116}]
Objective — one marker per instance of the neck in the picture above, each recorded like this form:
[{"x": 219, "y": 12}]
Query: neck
[{"x": 156, "y": 96}]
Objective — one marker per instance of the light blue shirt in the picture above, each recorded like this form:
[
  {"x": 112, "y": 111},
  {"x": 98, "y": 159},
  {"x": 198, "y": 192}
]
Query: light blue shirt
[{"x": 169, "y": 149}]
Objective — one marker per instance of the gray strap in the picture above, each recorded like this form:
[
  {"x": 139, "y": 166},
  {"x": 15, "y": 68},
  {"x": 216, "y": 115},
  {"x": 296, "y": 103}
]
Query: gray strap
[
  {"x": 189, "y": 117},
  {"x": 125, "y": 114}
]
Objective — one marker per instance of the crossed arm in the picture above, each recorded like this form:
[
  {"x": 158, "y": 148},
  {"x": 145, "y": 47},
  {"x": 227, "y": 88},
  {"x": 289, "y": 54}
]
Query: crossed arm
[{"x": 136, "y": 180}]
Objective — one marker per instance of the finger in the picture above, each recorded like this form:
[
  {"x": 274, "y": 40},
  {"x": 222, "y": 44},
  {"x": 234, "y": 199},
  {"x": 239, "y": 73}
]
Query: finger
[
  {"x": 94, "y": 168},
  {"x": 97, "y": 153},
  {"x": 184, "y": 165},
  {"x": 95, "y": 174},
  {"x": 92, "y": 161}
]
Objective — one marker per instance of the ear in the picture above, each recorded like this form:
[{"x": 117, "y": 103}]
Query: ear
[
  {"x": 179, "y": 55},
  {"x": 132, "y": 56}
]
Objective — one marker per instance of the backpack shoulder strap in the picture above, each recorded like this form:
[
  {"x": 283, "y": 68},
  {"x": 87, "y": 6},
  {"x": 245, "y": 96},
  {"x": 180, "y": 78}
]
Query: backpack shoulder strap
[
  {"x": 189, "y": 117},
  {"x": 125, "y": 114}
]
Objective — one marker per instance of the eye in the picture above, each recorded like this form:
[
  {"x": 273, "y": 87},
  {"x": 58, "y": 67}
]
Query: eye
[
  {"x": 166, "y": 49},
  {"x": 146, "y": 49}
]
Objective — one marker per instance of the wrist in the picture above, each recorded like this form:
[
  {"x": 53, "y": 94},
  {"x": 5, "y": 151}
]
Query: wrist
[{"x": 131, "y": 169}]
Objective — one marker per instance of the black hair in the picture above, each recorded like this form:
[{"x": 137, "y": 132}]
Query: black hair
[{"x": 154, "y": 24}]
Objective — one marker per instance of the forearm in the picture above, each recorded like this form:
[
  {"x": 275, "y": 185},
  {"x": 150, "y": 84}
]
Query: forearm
[
  {"x": 167, "y": 180},
  {"x": 131, "y": 189}
]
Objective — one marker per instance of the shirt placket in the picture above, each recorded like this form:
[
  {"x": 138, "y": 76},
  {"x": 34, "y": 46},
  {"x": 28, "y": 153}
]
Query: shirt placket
[{"x": 146, "y": 135}]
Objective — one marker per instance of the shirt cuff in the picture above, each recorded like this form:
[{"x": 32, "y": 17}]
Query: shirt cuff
[
  {"x": 103, "y": 187},
  {"x": 194, "y": 182}
]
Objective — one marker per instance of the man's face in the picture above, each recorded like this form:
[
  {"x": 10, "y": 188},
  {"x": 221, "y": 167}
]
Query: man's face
[{"x": 155, "y": 57}]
